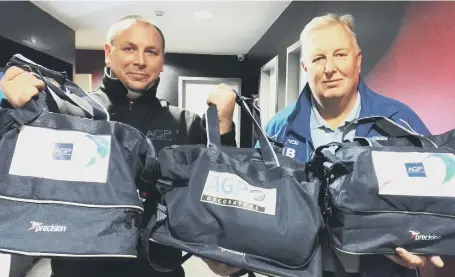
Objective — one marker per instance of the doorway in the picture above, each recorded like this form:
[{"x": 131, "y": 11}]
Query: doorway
[
  {"x": 295, "y": 75},
  {"x": 193, "y": 93},
  {"x": 268, "y": 89}
]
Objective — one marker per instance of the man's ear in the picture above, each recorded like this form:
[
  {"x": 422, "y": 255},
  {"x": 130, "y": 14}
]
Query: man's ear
[
  {"x": 107, "y": 54},
  {"x": 303, "y": 66},
  {"x": 359, "y": 60}
]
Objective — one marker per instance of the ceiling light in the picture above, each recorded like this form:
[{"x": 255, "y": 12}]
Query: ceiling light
[{"x": 203, "y": 14}]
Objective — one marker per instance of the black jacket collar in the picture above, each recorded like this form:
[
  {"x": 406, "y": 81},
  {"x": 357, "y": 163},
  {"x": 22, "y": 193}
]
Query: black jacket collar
[{"x": 117, "y": 91}]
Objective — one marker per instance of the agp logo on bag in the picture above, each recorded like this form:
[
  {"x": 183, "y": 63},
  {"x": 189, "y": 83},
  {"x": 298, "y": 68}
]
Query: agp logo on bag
[
  {"x": 415, "y": 169},
  {"x": 416, "y": 173},
  {"x": 62, "y": 155},
  {"x": 226, "y": 189},
  {"x": 63, "y": 151}
]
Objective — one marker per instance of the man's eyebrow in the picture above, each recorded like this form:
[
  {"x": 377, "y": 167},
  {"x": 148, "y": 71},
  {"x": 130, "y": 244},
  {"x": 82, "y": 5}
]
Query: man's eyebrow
[
  {"x": 317, "y": 50},
  {"x": 127, "y": 43}
]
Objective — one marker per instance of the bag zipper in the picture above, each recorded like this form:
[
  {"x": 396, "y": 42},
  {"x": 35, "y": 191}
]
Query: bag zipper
[
  {"x": 346, "y": 211},
  {"x": 130, "y": 219},
  {"x": 139, "y": 209}
]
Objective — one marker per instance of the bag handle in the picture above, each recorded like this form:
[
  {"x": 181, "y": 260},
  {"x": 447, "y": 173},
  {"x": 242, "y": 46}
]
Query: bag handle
[
  {"x": 75, "y": 96},
  {"x": 256, "y": 112},
  {"x": 213, "y": 133},
  {"x": 392, "y": 129},
  {"x": 24, "y": 63},
  {"x": 268, "y": 154},
  {"x": 212, "y": 126},
  {"x": 30, "y": 111}
]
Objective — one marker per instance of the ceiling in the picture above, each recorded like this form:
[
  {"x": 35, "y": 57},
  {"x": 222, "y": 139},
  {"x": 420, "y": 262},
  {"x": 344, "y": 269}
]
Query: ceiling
[{"x": 234, "y": 29}]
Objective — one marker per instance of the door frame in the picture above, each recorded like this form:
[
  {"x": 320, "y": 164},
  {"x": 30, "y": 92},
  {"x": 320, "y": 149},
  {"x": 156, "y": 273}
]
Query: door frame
[
  {"x": 293, "y": 72},
  {"x": 265, "y": 79},
  {"x": 181, "y": 84}
]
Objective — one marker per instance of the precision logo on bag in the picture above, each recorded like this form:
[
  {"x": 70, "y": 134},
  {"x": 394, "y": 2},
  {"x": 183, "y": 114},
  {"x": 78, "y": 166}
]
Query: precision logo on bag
[
  {"x": 226, "y": 189},
  {"x": 231, "y": 251},
  {"x": 39, "y": 227},
  {"x": 417, "y": 236},
  {"x": 415, "y": 169},
  {"x": 63, "y": 151}
]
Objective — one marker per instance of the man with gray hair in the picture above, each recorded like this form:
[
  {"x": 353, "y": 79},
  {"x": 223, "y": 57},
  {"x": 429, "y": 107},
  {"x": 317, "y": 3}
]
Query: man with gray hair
[{"x": 334, "y": 96}]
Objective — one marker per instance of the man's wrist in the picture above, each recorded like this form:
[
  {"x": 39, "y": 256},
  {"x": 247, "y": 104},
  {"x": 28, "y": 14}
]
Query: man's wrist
[{"x": 225, "y": 127}]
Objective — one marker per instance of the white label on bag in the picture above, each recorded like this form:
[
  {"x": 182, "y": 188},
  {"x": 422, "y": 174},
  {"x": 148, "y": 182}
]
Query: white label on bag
[
  {"x": 415, "y": 174},
  {"x": 226, "y": 189},
  {"x": 61, "y": 155}
]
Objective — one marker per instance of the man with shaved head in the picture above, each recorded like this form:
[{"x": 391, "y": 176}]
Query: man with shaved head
[{"x": 134, "y": 56}]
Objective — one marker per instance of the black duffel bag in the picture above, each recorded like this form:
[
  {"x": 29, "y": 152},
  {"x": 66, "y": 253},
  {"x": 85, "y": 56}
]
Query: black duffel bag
[
  {"x": 68, "y": 184},
  {"x": 248, "y": 208},
  {"x": 382, "y": 194}
]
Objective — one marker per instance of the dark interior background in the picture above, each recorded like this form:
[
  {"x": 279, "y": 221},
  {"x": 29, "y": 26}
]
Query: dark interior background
[{"x": 28, "y": 30}]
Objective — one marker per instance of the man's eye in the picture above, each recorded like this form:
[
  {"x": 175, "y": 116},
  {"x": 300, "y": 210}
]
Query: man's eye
[
  {"x": 128, "y": 49},
  {"x": 341, "y": 54},
  {"x": 152, "y": 52},
  {"x": 317, "y": 59}
]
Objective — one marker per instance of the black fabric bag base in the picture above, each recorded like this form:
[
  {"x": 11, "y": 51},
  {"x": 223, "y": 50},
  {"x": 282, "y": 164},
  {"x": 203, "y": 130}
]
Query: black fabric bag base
[
  {"x": 416, "y": 232},
  {"x": 237, "y": 259},
  {"x": 45, "y": 230}
]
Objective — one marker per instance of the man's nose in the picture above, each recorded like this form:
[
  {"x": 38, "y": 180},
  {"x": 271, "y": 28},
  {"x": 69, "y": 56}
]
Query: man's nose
[
  {"x": 139, "y": 59},
  {"x": 329, "y": 67}
]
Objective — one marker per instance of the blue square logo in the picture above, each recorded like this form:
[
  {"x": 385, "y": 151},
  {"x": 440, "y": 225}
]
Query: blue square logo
[
  {"x": 415, "y": 169},
  {"x": 63, "y": 151}
]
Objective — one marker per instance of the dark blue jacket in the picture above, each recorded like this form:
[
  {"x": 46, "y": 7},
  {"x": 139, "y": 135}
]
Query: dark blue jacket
[{"x": 291, "y": 127}]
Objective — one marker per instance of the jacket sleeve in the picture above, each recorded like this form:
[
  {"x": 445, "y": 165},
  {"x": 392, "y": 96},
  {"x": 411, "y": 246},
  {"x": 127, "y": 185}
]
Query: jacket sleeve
[
  {"x": 414, "y": 122},
  {"x": 197, "y": 132},
  {"x": 418, "y": 125}
]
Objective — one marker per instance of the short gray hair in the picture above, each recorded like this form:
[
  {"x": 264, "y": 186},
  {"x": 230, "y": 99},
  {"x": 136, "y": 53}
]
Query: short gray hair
[
  {"x": 345, "y": 20},
  {"x": 125, "y": 23}
]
